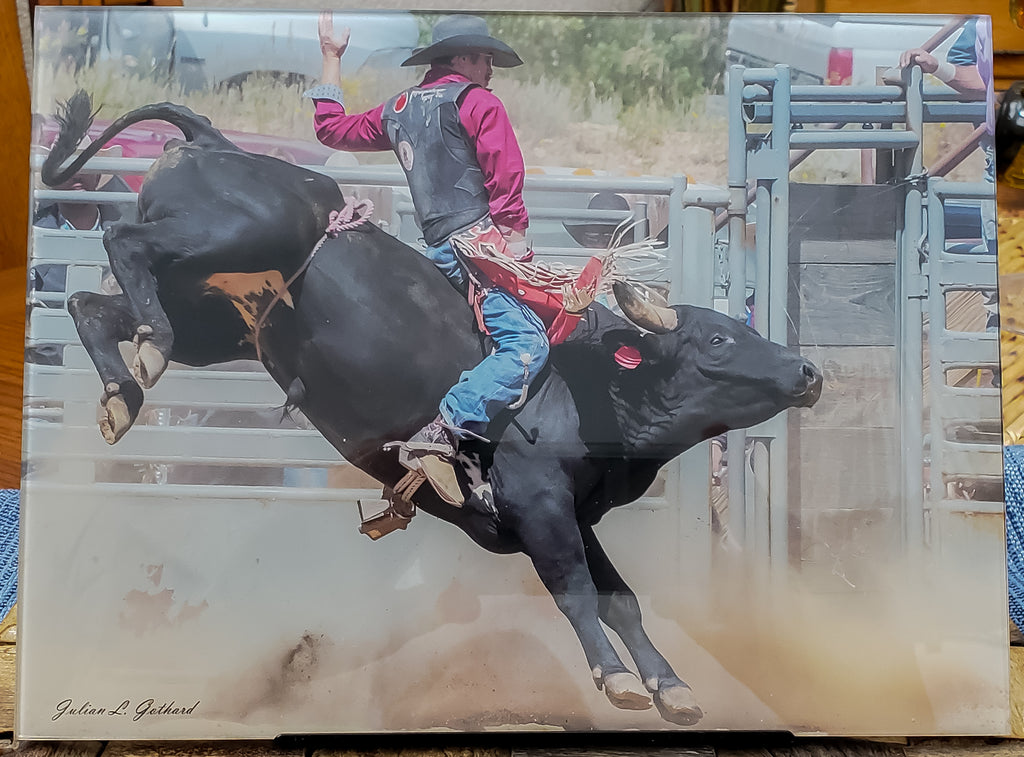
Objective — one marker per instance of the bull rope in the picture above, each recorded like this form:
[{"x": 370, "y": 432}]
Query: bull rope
[
  {"x": 349, "y": 217},
  {"x": 644, "y": 256}
]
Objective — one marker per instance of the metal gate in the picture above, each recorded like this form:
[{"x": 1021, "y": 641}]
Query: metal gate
[{"x": 768, "y": 119}]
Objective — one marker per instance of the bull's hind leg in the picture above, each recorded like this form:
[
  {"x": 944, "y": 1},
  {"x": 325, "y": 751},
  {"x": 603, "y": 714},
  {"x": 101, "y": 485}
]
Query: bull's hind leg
[
  {"x": 551, "y": 538},
  {"x": 620, "y": 610},
  {"x": 103, "y": 321},
  {"x": 134, "y": 251}
]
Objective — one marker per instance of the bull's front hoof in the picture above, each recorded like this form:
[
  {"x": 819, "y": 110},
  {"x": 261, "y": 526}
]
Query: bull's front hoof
[
  {"x": 625, "y": 691},
  {"x": 678, "y": 705},
  {"x": 149, "y": 364},
  {"x": 117, "y": 417}
]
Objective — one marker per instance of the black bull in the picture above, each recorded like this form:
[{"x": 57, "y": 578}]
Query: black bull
[{"x": 370, "y": 337}]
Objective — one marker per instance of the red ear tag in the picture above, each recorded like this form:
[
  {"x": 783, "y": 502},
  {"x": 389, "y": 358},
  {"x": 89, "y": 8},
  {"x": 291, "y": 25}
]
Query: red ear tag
[{"x": 627, "y": 357}]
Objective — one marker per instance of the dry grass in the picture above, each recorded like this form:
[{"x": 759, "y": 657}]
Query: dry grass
[
  {"x": 554, "y": 128},
  {"x": 264, "y": 106}
]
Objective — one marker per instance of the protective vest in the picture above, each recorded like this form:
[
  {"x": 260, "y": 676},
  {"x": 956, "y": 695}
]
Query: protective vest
[{"x": 445, "y": 179}]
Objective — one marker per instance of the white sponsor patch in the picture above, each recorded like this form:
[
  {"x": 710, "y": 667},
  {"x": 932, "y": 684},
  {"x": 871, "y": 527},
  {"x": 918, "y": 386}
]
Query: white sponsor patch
[{"x": 405, "y": 155}]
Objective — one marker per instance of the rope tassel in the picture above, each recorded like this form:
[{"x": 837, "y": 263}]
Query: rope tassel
[{"x": 618, "y": 262}]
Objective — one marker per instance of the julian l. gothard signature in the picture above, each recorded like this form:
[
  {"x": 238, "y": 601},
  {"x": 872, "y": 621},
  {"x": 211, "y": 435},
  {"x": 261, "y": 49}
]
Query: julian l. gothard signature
[{"x": 136, "y": 710}]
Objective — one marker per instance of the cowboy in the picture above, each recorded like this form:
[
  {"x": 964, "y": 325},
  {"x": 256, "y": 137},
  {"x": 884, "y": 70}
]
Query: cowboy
[
  {"x": 599, "y": 234},
  {"x": 454, "y": 140}
]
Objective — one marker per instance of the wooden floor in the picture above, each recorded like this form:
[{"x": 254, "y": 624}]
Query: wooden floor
[{"x": 742, "y": 747}]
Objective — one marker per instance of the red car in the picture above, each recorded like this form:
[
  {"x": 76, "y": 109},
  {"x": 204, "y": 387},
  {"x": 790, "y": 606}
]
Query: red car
[{"x": 146, "y": 139}]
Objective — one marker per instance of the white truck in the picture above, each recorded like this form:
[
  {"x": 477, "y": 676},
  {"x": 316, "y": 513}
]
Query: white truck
[{"x": 830, "y": 48}]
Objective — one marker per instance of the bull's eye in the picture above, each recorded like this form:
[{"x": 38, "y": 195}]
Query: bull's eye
[{"x": 717, "y": 339}]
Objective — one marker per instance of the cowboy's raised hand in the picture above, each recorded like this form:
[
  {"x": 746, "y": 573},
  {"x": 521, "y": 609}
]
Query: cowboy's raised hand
[{"x": 329, "y": 44}]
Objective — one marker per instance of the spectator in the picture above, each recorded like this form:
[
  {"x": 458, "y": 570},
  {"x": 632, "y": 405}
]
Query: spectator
[
  {"x": 76, "y": 216},
  {"x": 968, "y": 69}
]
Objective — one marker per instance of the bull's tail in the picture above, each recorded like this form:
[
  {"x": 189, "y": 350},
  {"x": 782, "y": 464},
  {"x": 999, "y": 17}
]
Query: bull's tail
[{"x": 75, "y": 116}]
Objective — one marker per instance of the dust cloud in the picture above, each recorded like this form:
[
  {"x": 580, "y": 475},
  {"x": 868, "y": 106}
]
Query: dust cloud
[{"x": 920, "y": 652}]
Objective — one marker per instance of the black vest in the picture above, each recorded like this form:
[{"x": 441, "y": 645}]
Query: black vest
[{"x": 445, "y": 179}]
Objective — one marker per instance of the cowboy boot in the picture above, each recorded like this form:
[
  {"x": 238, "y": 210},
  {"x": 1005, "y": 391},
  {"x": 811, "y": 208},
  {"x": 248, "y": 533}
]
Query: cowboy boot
[{"x": 432, "y": 451}]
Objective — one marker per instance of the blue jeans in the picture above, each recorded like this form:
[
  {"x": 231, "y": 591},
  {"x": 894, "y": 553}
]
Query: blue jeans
[{"x": 521, "y": 350}]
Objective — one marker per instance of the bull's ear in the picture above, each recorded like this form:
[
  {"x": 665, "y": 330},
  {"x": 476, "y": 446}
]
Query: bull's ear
[
  {"x": 629, "y": 349},
  {"x": 683, "y": 313}
]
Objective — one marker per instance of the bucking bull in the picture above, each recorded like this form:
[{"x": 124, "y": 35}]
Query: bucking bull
[{"x": 368, "y": 338}]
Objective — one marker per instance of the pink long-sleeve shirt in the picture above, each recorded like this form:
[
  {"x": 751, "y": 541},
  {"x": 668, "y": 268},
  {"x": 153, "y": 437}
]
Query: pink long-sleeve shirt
[{"x": 487, "y": 125}]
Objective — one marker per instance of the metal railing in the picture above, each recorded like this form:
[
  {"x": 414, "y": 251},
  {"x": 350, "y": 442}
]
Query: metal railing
[
  {"x": 61, "y": 401},
  {"x": 888, "y": 120}
]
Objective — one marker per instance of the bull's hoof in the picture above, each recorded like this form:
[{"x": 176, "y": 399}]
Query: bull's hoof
[
  {"x": 625, "y": 691},
  {"x": 149, "y": 364},
  {"x": 118, "y": 418},
  {"x": 678, "y": 705}
]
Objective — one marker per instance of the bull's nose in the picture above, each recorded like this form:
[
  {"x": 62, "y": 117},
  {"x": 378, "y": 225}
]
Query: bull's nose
[{"x": 812, "y": 383}]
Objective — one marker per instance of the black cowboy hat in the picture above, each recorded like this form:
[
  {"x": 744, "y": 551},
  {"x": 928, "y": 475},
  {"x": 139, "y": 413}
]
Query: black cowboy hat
[
  {"x": 599, "y": 233},
  {"x": 459, "y": 34}
]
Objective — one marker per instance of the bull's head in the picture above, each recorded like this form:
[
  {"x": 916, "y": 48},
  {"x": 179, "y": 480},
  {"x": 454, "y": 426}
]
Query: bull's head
[{"x": 702, "y": 372}]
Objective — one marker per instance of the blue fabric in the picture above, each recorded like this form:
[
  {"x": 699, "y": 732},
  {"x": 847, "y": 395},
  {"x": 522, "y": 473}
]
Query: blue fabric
[
  {"x": 521, "y": 350},
  {"x": 443, "y": 256},
  {"x": 1013, "y": 473},
  {"x": 964, "y": 51},
  {"x": 9, "y": 501}
]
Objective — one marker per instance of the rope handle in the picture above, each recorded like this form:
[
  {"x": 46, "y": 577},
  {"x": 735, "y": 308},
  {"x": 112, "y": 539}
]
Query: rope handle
[{"x": 350, "y": 216}]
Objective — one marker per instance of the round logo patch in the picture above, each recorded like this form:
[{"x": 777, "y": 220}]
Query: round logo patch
[
  {"x": 405, "y": 155},
  {"x": 401, "y": 102}
]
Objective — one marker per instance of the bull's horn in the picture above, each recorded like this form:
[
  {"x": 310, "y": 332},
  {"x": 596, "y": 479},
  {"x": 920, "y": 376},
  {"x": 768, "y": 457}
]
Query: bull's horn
[{"x": 645, "y": 307}]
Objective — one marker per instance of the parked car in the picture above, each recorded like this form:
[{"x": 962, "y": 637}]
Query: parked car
[
  {"x": 210, "y": 48},
  {"x": 829, "y": 49}
]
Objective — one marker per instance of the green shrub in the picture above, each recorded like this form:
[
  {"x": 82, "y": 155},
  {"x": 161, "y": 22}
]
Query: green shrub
[{"x": 649, "y": 59}]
